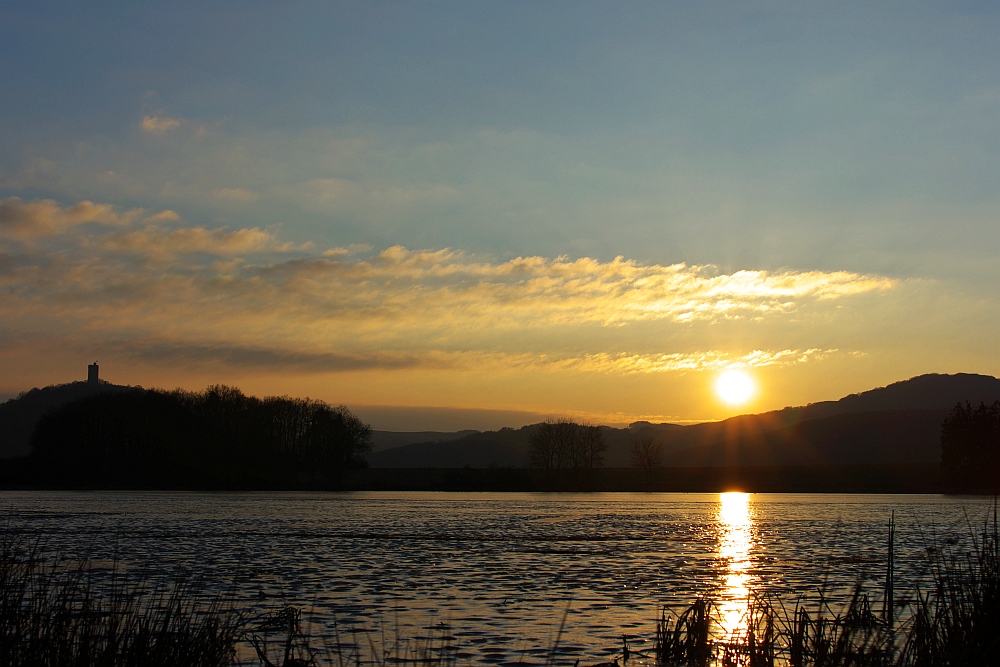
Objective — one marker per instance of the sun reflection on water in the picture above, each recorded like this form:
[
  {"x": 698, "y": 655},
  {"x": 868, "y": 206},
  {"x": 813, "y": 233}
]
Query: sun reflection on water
[{"x": 736, "y": 541}]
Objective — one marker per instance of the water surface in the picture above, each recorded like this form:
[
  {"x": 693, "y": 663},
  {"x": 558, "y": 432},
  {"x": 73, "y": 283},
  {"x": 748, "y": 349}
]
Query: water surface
[{"x": 497, "y": 574}]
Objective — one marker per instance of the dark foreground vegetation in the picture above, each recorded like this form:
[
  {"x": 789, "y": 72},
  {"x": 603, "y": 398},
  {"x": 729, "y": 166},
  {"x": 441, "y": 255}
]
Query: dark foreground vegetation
[
  {"x": 55, "y": 613},
  {"x": 955, "y": 624}
]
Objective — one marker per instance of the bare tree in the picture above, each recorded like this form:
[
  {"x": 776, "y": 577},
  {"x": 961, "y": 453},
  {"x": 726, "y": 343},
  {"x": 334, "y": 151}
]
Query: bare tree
[
  {"x": 544, "y": 447},
  {"x": 645, "y": 451},
  {"x": 590, "y": 447},
  {"x": 566, "y": 444}
]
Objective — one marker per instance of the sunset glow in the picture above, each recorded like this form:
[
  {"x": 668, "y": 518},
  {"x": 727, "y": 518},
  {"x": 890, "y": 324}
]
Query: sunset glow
[
  {"x": 735, "y": 544},
  {"x": 735, "y": 387},
  {"x": 488, "y": 209}
]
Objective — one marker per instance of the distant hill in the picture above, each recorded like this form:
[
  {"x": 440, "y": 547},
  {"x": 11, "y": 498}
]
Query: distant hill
[
  {"x": 888, "y": 436},
  {"x": 924, "y": 392},
  {"x": 19, "y": 415},
  {"x": 899, "y": 423},
  {"x": 504, "y": 448},
  {"x": 389, "y": 439}
]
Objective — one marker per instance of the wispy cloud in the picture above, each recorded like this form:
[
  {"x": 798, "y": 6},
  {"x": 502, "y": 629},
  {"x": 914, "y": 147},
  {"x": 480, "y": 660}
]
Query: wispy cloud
[
  {"x": 166, "y": 243},
  {"x": 237, "y": 356},
  {"x": 539, "y": 291},
  {"x": 244, "y": 297},
  {"x": 164, "y": 216},
  {"x": 159, "y": 124},
  {"x": 711, "y": 360},
  {"x": 303, "y": 360},
  {"x": 44, "y": 217}
]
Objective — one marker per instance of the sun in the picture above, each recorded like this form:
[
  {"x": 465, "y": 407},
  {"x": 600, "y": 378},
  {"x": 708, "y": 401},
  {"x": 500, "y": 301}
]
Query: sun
[{"x": 735, "y": 387}]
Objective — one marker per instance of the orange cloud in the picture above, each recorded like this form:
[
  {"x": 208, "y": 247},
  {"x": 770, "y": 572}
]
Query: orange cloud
[
  {"x": 158, "y": 124},
  {"x": 548, "y": 291},
  {"x": 196, "y": 291},
  {"x": 710, "y": 360},
  {"x": 161, "y": 243},
  {"x": 44, "y": 217},
  {"x": 164, "y": 216}
]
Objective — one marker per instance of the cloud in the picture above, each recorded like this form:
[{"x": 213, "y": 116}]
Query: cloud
[
  {"x": 244, "y": 297},
  {"x": 711, "y": 360},
  {"x": 353, "y": 249},
  {"x": 262, "y": 358},
  {"x": 162, "y": 243},
  {"x": 545, "y": 291},
  {"x": 44, "y": 217},
  {"x": 159, "y": 124},
  {"x": 163, "y": 216},
  {"x": 194, "y": 353}
]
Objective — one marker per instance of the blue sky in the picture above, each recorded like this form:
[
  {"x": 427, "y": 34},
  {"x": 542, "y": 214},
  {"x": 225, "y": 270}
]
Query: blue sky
[{"x": 853, "y": 143}]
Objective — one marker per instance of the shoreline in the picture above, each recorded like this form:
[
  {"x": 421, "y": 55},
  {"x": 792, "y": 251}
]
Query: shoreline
[
  {"x": 890, "y": 478},
  {"x": 909, "y": 478}
]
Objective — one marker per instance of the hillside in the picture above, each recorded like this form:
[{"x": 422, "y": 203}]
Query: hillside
[
  {"x": 390, "y": 439},
  {"x": 19, "y": 415},
  {"x": 899, "y": 423},
  {"x": 924, "y": 392},
  {"x": 889, "y": 436}
]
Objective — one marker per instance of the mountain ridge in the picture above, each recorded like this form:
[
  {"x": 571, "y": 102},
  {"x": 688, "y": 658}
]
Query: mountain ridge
[{"x": 897, "y": 423}]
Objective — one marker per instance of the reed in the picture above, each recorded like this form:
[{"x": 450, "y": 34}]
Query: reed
[
  {"x": 956, "y": 624},
  {"x": 58, "y": 613}
]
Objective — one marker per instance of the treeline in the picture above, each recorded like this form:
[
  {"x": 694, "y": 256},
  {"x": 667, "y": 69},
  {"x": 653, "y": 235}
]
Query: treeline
[
  {"x": 566, "y": 444},
  {"x": 219, "y": 438},
  {"x": 970, "y": 447}
]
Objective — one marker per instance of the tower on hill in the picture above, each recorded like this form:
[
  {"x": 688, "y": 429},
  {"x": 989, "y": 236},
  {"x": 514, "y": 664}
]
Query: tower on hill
[{"x": 92, "y": 371}]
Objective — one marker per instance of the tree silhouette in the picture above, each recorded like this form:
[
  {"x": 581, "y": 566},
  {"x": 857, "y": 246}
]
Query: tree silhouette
[
  {"x": 220, "y": 437},
  {"x": 566, "y": 444},
  {"x": 645, "y": 451},
  {"x": 589, "y": 447},
  {"x": 970, "y": 446}
]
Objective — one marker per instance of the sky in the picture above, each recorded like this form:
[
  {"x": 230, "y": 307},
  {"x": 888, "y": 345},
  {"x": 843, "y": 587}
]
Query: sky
[{"x": 452, "y": 215}]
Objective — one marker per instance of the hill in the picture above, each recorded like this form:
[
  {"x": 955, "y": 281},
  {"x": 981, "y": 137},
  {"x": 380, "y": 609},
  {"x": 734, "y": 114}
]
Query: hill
[
  {"x": 390, "y": 439},
  {"x": 924, "y": 392},
  {"x": 20, "y": 415},
  {"x": 899, "y": 423}
]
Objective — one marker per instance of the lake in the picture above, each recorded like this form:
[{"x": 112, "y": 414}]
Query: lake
[{"x": 495, "y": 575}]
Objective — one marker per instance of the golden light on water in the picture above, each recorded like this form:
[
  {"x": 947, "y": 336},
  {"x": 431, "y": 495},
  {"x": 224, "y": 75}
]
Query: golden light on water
[{"x": 736, "y": 541}]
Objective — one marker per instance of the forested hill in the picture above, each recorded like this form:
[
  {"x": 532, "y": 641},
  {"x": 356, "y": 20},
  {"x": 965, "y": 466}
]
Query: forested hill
[
  {"x": 19, "y": 416},
  {"x": 900, "y": 423},
  {"x": 130, "y": 437},
  {"x": 924, "y": 392}
]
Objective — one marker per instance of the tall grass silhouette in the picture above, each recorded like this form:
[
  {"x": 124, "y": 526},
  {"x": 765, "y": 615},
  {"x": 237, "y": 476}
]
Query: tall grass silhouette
[
  {"x": 56, "y": 612},
  {"x": 956, "y": 623}
]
